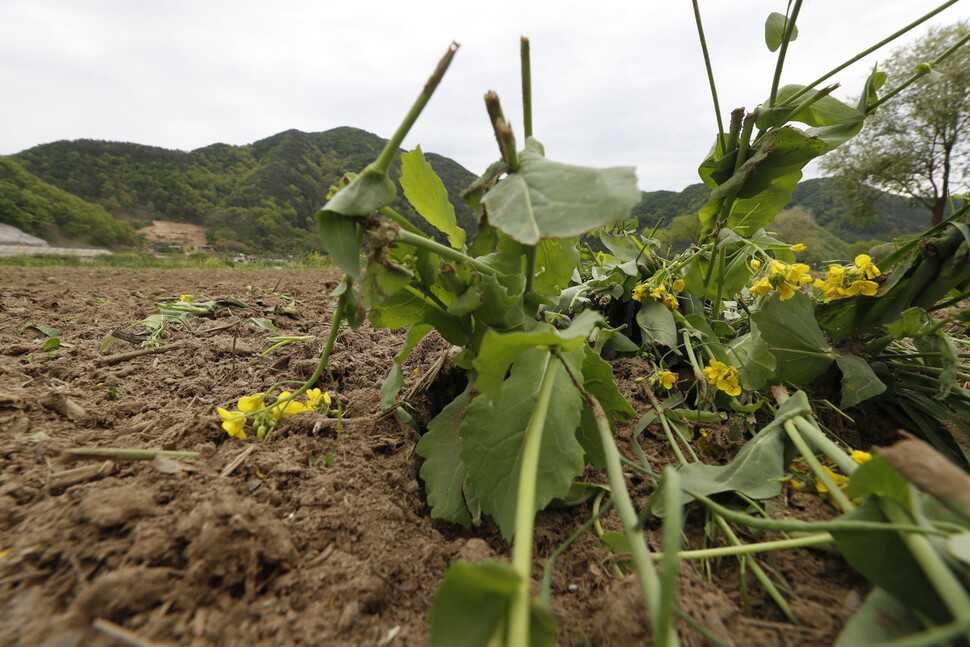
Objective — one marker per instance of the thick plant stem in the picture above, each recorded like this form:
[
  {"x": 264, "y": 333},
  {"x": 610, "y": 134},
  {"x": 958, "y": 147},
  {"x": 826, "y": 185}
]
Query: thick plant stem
[
  {"x": 946, "y": 583},
  {"x": 383, "y": 162},
  {"x": 670, "y": 562},
  {"x": 407, "y": 238},
  {"x": 639, "y": 553},
  {"x": 402, "y": 222},
  {"x": 525, "y": 511},
  {"x": 820, "y": 473}
]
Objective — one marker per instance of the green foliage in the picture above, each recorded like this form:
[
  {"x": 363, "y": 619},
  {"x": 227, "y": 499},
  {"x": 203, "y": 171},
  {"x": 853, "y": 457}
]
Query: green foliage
[{"x": 38, "y": 208}]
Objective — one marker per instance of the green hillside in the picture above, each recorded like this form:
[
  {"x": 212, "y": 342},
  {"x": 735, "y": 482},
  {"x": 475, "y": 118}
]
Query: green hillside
[
  {"x": 43, "y": 210},
  {"x": 261, "y": 196}
]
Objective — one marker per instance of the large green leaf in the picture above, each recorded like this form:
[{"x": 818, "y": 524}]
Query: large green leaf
[
  {"x": 555, "y": 262},
  {"x": 887, "y": 562},
  {"x": 794, "y": 338},
  {"x": 880, "y": 619},
  {"x": 499, "y": 350},
  {"x": 859, "y": 382},
  {"x": 775, "y": 30},
  {"x": 472, "y": 602},
  {"x": 657, "y": 323},
  {"x": 598, "y": 380},
  {"x": 757, "y": 471},
  {"x": 493, "y": 438},
  {"x": 407, "y": 308},
  {"x": 546, "y": 199},
  {"x": 443, "y": 471},
  {"x": 340, "y": 239},
  {"x": 755, "y": 363},
  {"x": 427, "y": 194}
]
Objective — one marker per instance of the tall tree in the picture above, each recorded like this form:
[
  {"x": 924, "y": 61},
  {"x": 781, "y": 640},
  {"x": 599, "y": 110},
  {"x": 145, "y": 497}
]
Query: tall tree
[{"x": 917, "y": 144}]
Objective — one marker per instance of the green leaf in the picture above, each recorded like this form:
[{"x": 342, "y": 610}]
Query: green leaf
[
  {"x": 45, "y": 330},
  {"x": 263, "y": 322},
  {"x": 877, "y": 476},
  {"x": 407, "y": 308},
  {"x": 775, "y": 30},
  {"x": 443, "y": 471},
  {"x": 493, "y": 437},
  {"x": 365, "y": 194},
  {"x": 51, "y": 343},
  {"x": 859, "y": 382},
  {"x": 598, "y": 381},
  {"x": 555, "y": 262},
  {"x": 339, "y": 237},
  {"x": 384, "y": 278},
  {"x": 471, "y": 602},
  {"x": 657, "y": 323},
  {"x": 499, "y": 350},
  {"x": 546, "y": 199},
  {"x": 755, "y": 363},
  {"x": 880, "y": 619},
  {"x": 792, "y": 334},
  {"x": 888, "y": 563},
  {"x": 395, "y": 378},
  {"x": 757, "y": 471},
  {"x": 870, "y": 92},
  {"x": 427, "y": 194}
]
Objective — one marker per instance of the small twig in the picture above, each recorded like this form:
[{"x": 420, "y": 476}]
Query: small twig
[
  {"x": 123, "y": 357},
  {"x": 126, "y": 636},
  {"x": 124, "y": 454},
  {"x": 237, "y": 461},
  {"x": 208, "y": 330},
  {"x": 131, "y": 338},
  {"x": 81, "y": 474}
]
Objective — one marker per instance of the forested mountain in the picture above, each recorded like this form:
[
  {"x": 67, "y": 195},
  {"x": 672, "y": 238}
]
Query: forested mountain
[
  {"x": 260, "y": 196},
  {"x": 264, "y": 196},
  {"x": 34, "y": 206}
]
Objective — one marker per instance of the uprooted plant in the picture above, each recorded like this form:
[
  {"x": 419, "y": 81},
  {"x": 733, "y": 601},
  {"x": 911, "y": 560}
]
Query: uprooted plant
[{"x": 555, "y": 277}]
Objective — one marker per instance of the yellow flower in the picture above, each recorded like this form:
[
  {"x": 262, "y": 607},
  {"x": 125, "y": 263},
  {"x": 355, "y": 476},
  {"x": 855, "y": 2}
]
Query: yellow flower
[
  {"x": 786, "y": 291},
  {"x": 659, "y": 293},
  {"x": 864, "y": 263},
  {"x": 723, "y": 377},
  {"x": 755, "y": 264},
  {"x": 233, "y": 422},
  {"x": 798, "y": 273},
  {"x": 668, "y": 380},
  {"x": 867, "y": 288},
  {"x": 798, "y": 248},
  {"x": 639, "y": 292},
  {"x": 251, "y": 403},
  {"x": 840, "y": 480},
  {"x": 186, "y": 298},
  {"x": 289, "y": 409},
  {"x": 761, "y": 288},
  {"x": 671, "y": 302},
  {"x": 678, "y": 285},
  {"x": 315, "y": 398},
  {"x": 777, "y": 267},
  {"x": 860, "y": 456},
  {"x": 835, "y": 275}
]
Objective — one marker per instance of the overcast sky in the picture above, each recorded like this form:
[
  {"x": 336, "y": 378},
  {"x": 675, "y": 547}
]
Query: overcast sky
[{"x": 614, "y": 83}]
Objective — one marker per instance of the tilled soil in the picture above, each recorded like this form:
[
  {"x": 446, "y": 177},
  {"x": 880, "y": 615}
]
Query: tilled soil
[{"x": 281, "y": 548}]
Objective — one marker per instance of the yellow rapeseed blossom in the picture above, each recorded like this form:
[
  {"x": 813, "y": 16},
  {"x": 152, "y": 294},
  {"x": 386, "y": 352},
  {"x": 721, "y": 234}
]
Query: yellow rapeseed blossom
[
  {"x": 315, "y": 398},
  {"x": 186, "y": 298},
  {"x": 761, "y": 287},
  {"x": 867, "y": 288},
  {"x": 640, "y": 291},
  {"x": 755, "y": 264},
  {"x": 678, "y": 285},
  {"x": 251, "y": 403},
  {"x": 841, "y": 480},
  {"x": 723, "y": 377},
  {"x": 860, "y": 456},
  {"x": 671, "y": 302},
  {"x": 233, "y": 422},
  {"x": 865, "y": 265},
  {"x": 798, "y": 247},
  {"x": 784, "y": 278},
  {"x": 786, "y": 290},
  {"x": 291, "y": 407},
  {"x": 668, "y": 380}
]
